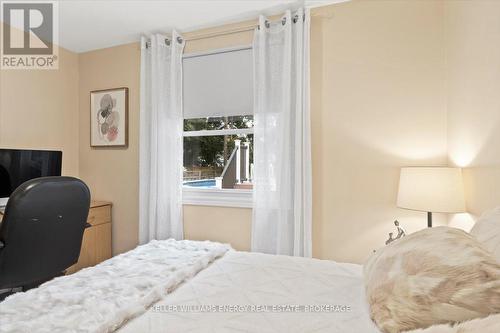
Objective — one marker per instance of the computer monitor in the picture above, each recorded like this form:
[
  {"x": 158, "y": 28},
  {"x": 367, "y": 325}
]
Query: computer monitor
[{"x": 19, "y": 165}]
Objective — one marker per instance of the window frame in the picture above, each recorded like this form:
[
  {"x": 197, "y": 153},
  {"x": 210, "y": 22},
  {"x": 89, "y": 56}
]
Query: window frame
[
  {"x": 221, "y": 132},
  {"x": 238, "y": 198}
]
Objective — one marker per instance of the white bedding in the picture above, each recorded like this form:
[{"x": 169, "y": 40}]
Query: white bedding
[
  {"x": 251, "y": 279},
  {"x": 255, "y": 293}
]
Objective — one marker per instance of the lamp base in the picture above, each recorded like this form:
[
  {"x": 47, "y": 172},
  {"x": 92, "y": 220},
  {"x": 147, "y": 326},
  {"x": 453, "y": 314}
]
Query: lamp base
[{"x": 429, "y": 219}]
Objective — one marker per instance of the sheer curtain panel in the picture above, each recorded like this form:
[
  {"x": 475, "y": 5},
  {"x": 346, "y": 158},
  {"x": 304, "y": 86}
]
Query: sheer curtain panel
[
  {"x": 161, "y": 124},
  {"x": 282, "y": 219}
]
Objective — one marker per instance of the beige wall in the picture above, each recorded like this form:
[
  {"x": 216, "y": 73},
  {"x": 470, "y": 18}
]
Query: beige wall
[
  {"x": 226, "y": 225},
  {"x": 473, "y": 58},
  {"x": 39, "y": 109},
  {"x": 112, "y": 174},
  {"x": 378, "y": 94}
]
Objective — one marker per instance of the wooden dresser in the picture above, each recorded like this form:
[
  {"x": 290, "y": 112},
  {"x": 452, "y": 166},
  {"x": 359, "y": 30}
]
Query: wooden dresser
[{"x": 96, "y": 244}]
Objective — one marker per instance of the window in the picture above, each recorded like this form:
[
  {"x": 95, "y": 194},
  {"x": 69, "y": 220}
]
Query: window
[{"x": 218, "y": 127}]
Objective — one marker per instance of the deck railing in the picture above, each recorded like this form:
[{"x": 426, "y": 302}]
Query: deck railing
[{"x": 237, "y": 169}]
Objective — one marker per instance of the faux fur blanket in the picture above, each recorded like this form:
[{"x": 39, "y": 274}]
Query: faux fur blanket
[
  {"x": 99, "y": 299},
  {"x": 490, "y": 324}
]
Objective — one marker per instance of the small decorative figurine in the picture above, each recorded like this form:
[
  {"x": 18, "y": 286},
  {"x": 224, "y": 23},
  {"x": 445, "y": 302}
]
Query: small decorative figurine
[{"x": 401, "y": 233}]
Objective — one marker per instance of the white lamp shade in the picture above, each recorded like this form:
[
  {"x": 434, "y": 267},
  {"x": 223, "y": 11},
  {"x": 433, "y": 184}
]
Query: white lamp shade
[{"x": 431, "y": 189}]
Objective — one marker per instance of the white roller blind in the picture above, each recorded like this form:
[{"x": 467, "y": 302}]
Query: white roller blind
[{"x": 218, "y": 84}]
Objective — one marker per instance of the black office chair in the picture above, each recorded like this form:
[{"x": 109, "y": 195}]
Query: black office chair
[{"x": 41, "y": 232}]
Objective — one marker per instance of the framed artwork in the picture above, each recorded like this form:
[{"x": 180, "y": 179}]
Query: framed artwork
[{"x": 109, "y": 118}]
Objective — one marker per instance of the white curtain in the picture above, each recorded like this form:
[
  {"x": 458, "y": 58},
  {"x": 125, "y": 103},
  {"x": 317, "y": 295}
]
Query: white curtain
[
  {"x": 282, "y": 218},
  {"x": 160, "y": 158}
]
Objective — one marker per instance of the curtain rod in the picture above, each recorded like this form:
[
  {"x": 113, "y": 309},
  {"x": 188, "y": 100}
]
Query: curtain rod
[
  {"x": 249, "y": 27},
  {"x": 246, "y": 28},
  {"x": 242, "y": 29},
  {"x": 211, "y": 34}
]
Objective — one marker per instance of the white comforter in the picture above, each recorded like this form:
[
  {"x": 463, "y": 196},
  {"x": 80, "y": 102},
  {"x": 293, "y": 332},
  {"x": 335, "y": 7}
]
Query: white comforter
[{"x": 242, "y": 292}]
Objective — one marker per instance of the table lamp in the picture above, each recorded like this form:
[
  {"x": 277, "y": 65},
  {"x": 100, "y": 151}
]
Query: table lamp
[{"x": 431, "y": 190}]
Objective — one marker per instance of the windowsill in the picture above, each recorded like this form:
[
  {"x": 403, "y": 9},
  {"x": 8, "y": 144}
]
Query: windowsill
[{"x": 217, "y": 197}]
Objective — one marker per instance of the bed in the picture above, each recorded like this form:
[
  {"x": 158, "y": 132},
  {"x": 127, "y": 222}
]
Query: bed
[{"x": 186, "y": 286}]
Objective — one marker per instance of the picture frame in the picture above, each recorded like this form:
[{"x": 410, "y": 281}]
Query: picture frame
[{"x": 109, "y": 117}]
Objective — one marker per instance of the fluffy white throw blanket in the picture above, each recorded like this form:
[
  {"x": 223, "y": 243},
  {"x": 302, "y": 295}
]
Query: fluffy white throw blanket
[{"x": 101, "y": 298}]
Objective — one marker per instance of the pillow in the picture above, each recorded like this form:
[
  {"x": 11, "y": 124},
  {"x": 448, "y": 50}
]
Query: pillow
[
  {"x": 487, "y": 231},
  {"x": 434, "y": 276}
]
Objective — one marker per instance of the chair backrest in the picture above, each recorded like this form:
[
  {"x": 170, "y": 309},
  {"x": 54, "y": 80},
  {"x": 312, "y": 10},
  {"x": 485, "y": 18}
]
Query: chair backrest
[{"x": 42, "y": 229}]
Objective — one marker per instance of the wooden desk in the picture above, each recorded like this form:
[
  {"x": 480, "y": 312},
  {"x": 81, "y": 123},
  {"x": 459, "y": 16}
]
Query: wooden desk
[{"x": 96, "y": 244}]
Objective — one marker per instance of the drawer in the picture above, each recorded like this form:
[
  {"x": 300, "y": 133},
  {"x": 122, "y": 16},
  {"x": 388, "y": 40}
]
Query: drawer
[{"x": 99, "y": 215}]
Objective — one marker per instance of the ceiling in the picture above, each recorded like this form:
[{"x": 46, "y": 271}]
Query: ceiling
[{"x": 95, "y": 24}]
